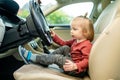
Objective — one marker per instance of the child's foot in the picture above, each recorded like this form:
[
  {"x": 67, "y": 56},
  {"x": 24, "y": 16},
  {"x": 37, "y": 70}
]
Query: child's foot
[{"x": 25, "y": 54}]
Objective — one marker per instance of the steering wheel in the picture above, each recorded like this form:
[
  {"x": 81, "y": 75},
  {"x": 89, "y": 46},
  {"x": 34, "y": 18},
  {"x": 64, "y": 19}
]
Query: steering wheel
[{"x": 40, "y": 22}]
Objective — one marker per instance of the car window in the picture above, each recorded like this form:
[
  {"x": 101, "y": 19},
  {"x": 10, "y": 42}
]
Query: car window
[
  {"x": 66, "y": 13},
  {"x": 24, "y": 6},
  {"x": 60, "y": 16}
]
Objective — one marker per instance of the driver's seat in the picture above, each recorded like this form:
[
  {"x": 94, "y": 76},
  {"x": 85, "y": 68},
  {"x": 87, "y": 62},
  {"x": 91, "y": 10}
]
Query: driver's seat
[{"x": 104, "y": 57}]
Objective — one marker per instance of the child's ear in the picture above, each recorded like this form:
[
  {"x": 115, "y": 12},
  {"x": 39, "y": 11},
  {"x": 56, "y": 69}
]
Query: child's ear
[{"x": 85, "y": 33}]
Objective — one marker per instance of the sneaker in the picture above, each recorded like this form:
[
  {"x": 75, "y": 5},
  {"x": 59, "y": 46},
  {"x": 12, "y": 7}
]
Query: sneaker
[{"x": 22, "y": 51}]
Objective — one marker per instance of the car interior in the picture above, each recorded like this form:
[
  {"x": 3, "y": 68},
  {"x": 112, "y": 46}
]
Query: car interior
[{"x": 104, "y": 56}]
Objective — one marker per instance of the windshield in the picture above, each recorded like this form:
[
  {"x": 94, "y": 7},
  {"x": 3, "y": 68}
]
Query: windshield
[
  {"x": 44, "y": 3},
  {"x": 24, "y": 6}
]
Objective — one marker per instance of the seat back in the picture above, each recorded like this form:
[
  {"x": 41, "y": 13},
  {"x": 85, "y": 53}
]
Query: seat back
[
  {"x": 104, "y": 57},
  {"x": 104, "y": 20}
]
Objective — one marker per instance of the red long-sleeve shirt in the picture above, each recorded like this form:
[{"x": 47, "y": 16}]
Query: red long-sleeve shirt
[{"x": 79, "y": 51}]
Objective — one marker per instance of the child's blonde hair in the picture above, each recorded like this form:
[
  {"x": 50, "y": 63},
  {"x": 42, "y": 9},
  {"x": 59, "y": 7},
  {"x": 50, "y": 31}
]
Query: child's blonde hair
[{"x": 87, "y": 26}]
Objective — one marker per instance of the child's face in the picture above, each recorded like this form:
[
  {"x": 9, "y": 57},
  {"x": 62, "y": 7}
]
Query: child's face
[{"x": 76, "y": 29}]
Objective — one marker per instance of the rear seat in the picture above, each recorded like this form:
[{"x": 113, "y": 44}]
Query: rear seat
[{"x": 104, "y": 57}]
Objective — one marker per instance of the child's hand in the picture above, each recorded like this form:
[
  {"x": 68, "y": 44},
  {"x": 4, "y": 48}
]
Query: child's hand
[
  {"x": 52, "y": 33},
  {"x": 69, "y": 66}
]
